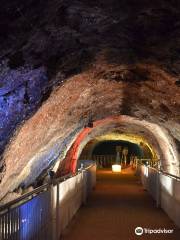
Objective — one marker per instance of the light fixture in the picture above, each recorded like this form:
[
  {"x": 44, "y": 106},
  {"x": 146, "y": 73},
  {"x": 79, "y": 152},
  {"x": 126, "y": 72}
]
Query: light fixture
[
  {"x": 51, "y": 174},
  {"x": 89, "y": 123},
  {"x": 116, "y": 168}
]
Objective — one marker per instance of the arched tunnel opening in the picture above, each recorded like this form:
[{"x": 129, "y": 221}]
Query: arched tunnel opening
[
  {"x": 157, "y": 145},
  {"x": 104, "y": 152}
]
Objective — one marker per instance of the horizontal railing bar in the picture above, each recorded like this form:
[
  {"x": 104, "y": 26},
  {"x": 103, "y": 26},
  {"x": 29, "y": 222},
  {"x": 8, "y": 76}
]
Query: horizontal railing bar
[
  {"x": 89, "y": 166},
  {"x": 170, "y": 175},
  {"x": 163, "y": 172},
  {"x": 24, "y": 197},
  {"x": 28, "y": 196},
  {"x": 62, "y": 179}
]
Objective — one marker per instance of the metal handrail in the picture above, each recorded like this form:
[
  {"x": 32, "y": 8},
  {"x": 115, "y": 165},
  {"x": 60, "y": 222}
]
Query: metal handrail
[
  {"x": 25, "y": 197},
  {"x": 164, "y": 172},
  {"x": 86, "y": 168},
  {"x": 30, "y": 195},
  {"x": 170, "y": 175}
]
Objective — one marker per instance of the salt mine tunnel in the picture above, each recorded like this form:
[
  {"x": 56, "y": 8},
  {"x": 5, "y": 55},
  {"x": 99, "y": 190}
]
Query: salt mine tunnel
[{"x": 89, "y": 119}]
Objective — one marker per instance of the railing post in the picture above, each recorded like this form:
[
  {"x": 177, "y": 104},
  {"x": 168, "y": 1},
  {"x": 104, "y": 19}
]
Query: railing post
[
  {"x": 84, "y": 195},
  {"x": 57, "y": 212},
  {"x": 54, "y": 211},
  {"x": 158, "y": 190}
]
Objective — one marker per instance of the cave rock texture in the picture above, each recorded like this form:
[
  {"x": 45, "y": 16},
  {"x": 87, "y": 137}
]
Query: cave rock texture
[{"x": 64, "y": 62}]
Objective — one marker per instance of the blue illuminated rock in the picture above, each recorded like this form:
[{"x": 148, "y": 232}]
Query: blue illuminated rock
[{"x": 21, "y": 92}]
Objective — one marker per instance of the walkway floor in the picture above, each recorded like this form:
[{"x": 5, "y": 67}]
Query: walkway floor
[{"x": 115, "y": 208}]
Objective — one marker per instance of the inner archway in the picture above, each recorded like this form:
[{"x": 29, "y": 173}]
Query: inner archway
[
  {"x": 155, "y": 136},
  {"x": 104, "y": 152}
]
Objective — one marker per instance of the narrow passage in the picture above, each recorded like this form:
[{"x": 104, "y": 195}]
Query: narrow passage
[{"x": 115, "y": 208}]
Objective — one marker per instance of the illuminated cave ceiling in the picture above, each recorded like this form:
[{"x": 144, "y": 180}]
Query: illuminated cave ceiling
[
  {"x": 120, "y": 136},
  {"x": 117, "y": 135},
  {"x": 100, "y": 57}
]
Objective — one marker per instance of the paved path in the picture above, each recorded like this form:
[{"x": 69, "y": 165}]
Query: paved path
[{"x": 118, "y": 205}]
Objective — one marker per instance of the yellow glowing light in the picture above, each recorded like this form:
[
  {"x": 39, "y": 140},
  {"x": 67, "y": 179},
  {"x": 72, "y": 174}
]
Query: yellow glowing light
[
  {"x": 116, "y": 168},
  {"x": 134, "y": 138}
]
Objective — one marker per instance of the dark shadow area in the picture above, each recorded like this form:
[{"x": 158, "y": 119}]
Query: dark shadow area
[
  {"x": 109, "y": 148},
  {"x": 67, "y": 34}
]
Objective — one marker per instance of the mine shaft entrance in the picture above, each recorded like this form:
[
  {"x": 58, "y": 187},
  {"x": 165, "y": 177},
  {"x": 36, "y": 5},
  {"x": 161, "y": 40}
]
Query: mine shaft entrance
[{"x": 106, "y": 153}]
